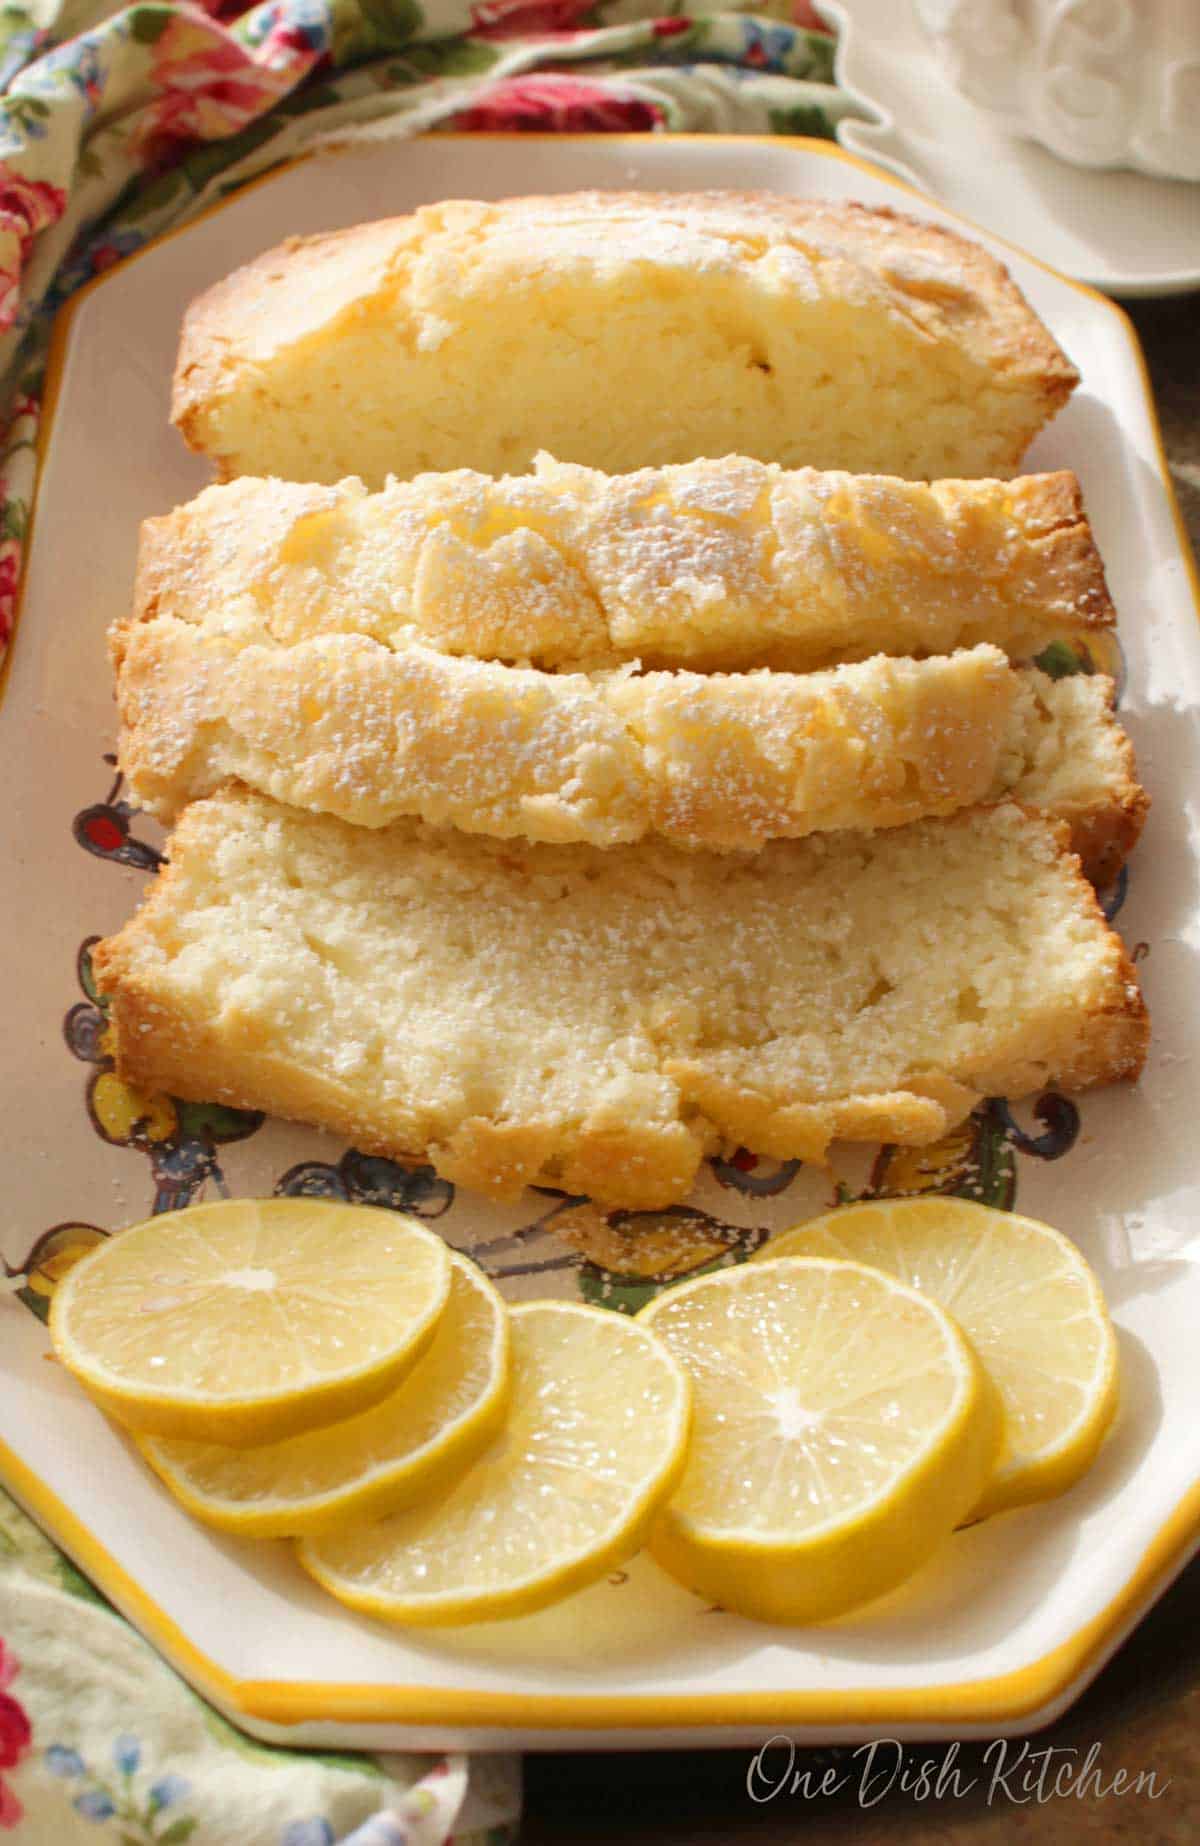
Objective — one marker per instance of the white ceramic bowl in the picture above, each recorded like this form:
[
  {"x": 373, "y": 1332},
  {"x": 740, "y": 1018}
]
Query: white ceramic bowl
[{"x": 1101, "y": 83}]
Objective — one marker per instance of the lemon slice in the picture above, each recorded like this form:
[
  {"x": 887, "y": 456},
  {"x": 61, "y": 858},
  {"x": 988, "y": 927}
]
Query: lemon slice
[
  {"x": 413, "y": 1444},
  {"x": 250, "y": 1319},
  {"x": 1028, "y": 1303},
  {"x": 594, "y": 1443},
  {"x": 842, "y": 1428}
]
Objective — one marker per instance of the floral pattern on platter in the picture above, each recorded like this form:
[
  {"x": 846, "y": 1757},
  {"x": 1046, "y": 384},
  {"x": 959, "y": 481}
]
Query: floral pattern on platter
[
  {"x": 622, "y": 1259},
  {"x": 181, "y": 1138},
  {"x": 103, "y": 829}
]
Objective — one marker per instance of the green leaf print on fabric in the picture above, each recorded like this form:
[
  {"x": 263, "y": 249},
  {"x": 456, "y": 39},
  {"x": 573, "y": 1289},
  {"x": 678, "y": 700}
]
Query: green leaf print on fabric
[
  {"x": 27, "y": 112},
  {"x": 820, "y": 47},
  {"x": 144, "y": 199},
  {"x": 364, "y": 28},
  {"x": 178, "y": 1831},
  {"x": 75, "y": 1583},
  {"x": 148, "y": 23},
  {"x": 22, "y": 1543},
  {"x": 807, "y": 119},
  {"x": 458, "y": 58},
  {"x": 14, "y": 20}
]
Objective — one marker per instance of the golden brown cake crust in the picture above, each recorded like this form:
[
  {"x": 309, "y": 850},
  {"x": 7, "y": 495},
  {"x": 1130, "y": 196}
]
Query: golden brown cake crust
[
  {"x": 1104, "y": 831},
  {"x": 313, "y": 279},
  {"x": 1104, "y": 837},
  {"x": 714, "y": 565}
]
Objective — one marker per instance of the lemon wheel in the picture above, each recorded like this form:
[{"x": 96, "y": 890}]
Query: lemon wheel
[
  {"x": 248, "y": 1320},
  {"x": 414, "y": 1443},
  {"x": 842, "y": 1428},
  {"x": 594, "y": 1442}
]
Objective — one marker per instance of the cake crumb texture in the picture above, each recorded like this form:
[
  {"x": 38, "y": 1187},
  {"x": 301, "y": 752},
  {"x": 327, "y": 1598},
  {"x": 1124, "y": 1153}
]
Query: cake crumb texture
[{"x": 601, "y": 1021}]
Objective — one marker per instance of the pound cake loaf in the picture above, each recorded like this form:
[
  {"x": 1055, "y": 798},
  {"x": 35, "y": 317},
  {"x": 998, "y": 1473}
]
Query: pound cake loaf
[
  {"x": 600, "y": 1021},
  {"x": 714, "y": 565},
  {"x": 621, "y": 331},
  {"x": 341, "y": 725}
]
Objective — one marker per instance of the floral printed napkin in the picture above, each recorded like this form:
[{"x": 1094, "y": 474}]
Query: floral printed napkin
[
  {"x": 115, "y": 126},
  {"x": 101, "y": 1744}
]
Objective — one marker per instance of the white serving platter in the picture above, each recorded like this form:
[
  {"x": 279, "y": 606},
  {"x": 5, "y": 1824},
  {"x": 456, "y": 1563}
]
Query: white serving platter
[
  {"x": 1127, "y": 233},
  {"x": 1019, "y": 1613}
]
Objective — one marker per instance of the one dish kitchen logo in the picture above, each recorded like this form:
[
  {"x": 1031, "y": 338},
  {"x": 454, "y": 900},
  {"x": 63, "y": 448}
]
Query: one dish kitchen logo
[{"x": 1006, "y": 1770}]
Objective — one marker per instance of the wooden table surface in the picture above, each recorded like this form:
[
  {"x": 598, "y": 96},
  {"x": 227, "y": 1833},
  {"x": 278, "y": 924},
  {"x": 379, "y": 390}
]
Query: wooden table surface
[{"x": 1144, "y": 1709}]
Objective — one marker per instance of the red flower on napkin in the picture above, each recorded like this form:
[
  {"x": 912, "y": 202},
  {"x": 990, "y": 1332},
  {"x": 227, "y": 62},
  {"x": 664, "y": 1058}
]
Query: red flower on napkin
[
  {"x": 26, "y": 207},
  {"x": 16, "y": 1735},
  {"x": 209, "y": 86},
  {"x": 525, "y": 18},
  {"x": 561, "y": 103},
  {"x": 10, "y": 577}
]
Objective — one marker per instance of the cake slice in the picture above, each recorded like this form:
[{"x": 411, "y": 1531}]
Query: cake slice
[
  {"x": 342, "y": 725},
  {"x": 622, "y": 331},
  {"x": 715, "y": 565},
  {"x": 602, "y": 1020}
]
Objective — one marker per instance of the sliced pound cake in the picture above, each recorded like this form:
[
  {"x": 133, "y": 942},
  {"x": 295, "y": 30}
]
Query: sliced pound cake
[
  {"x": 567, "y": 1016},
  {"x": 715, "y": 565},
  {"x": 342, "y": 725},
  {"x": 621, "y": 331}
]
